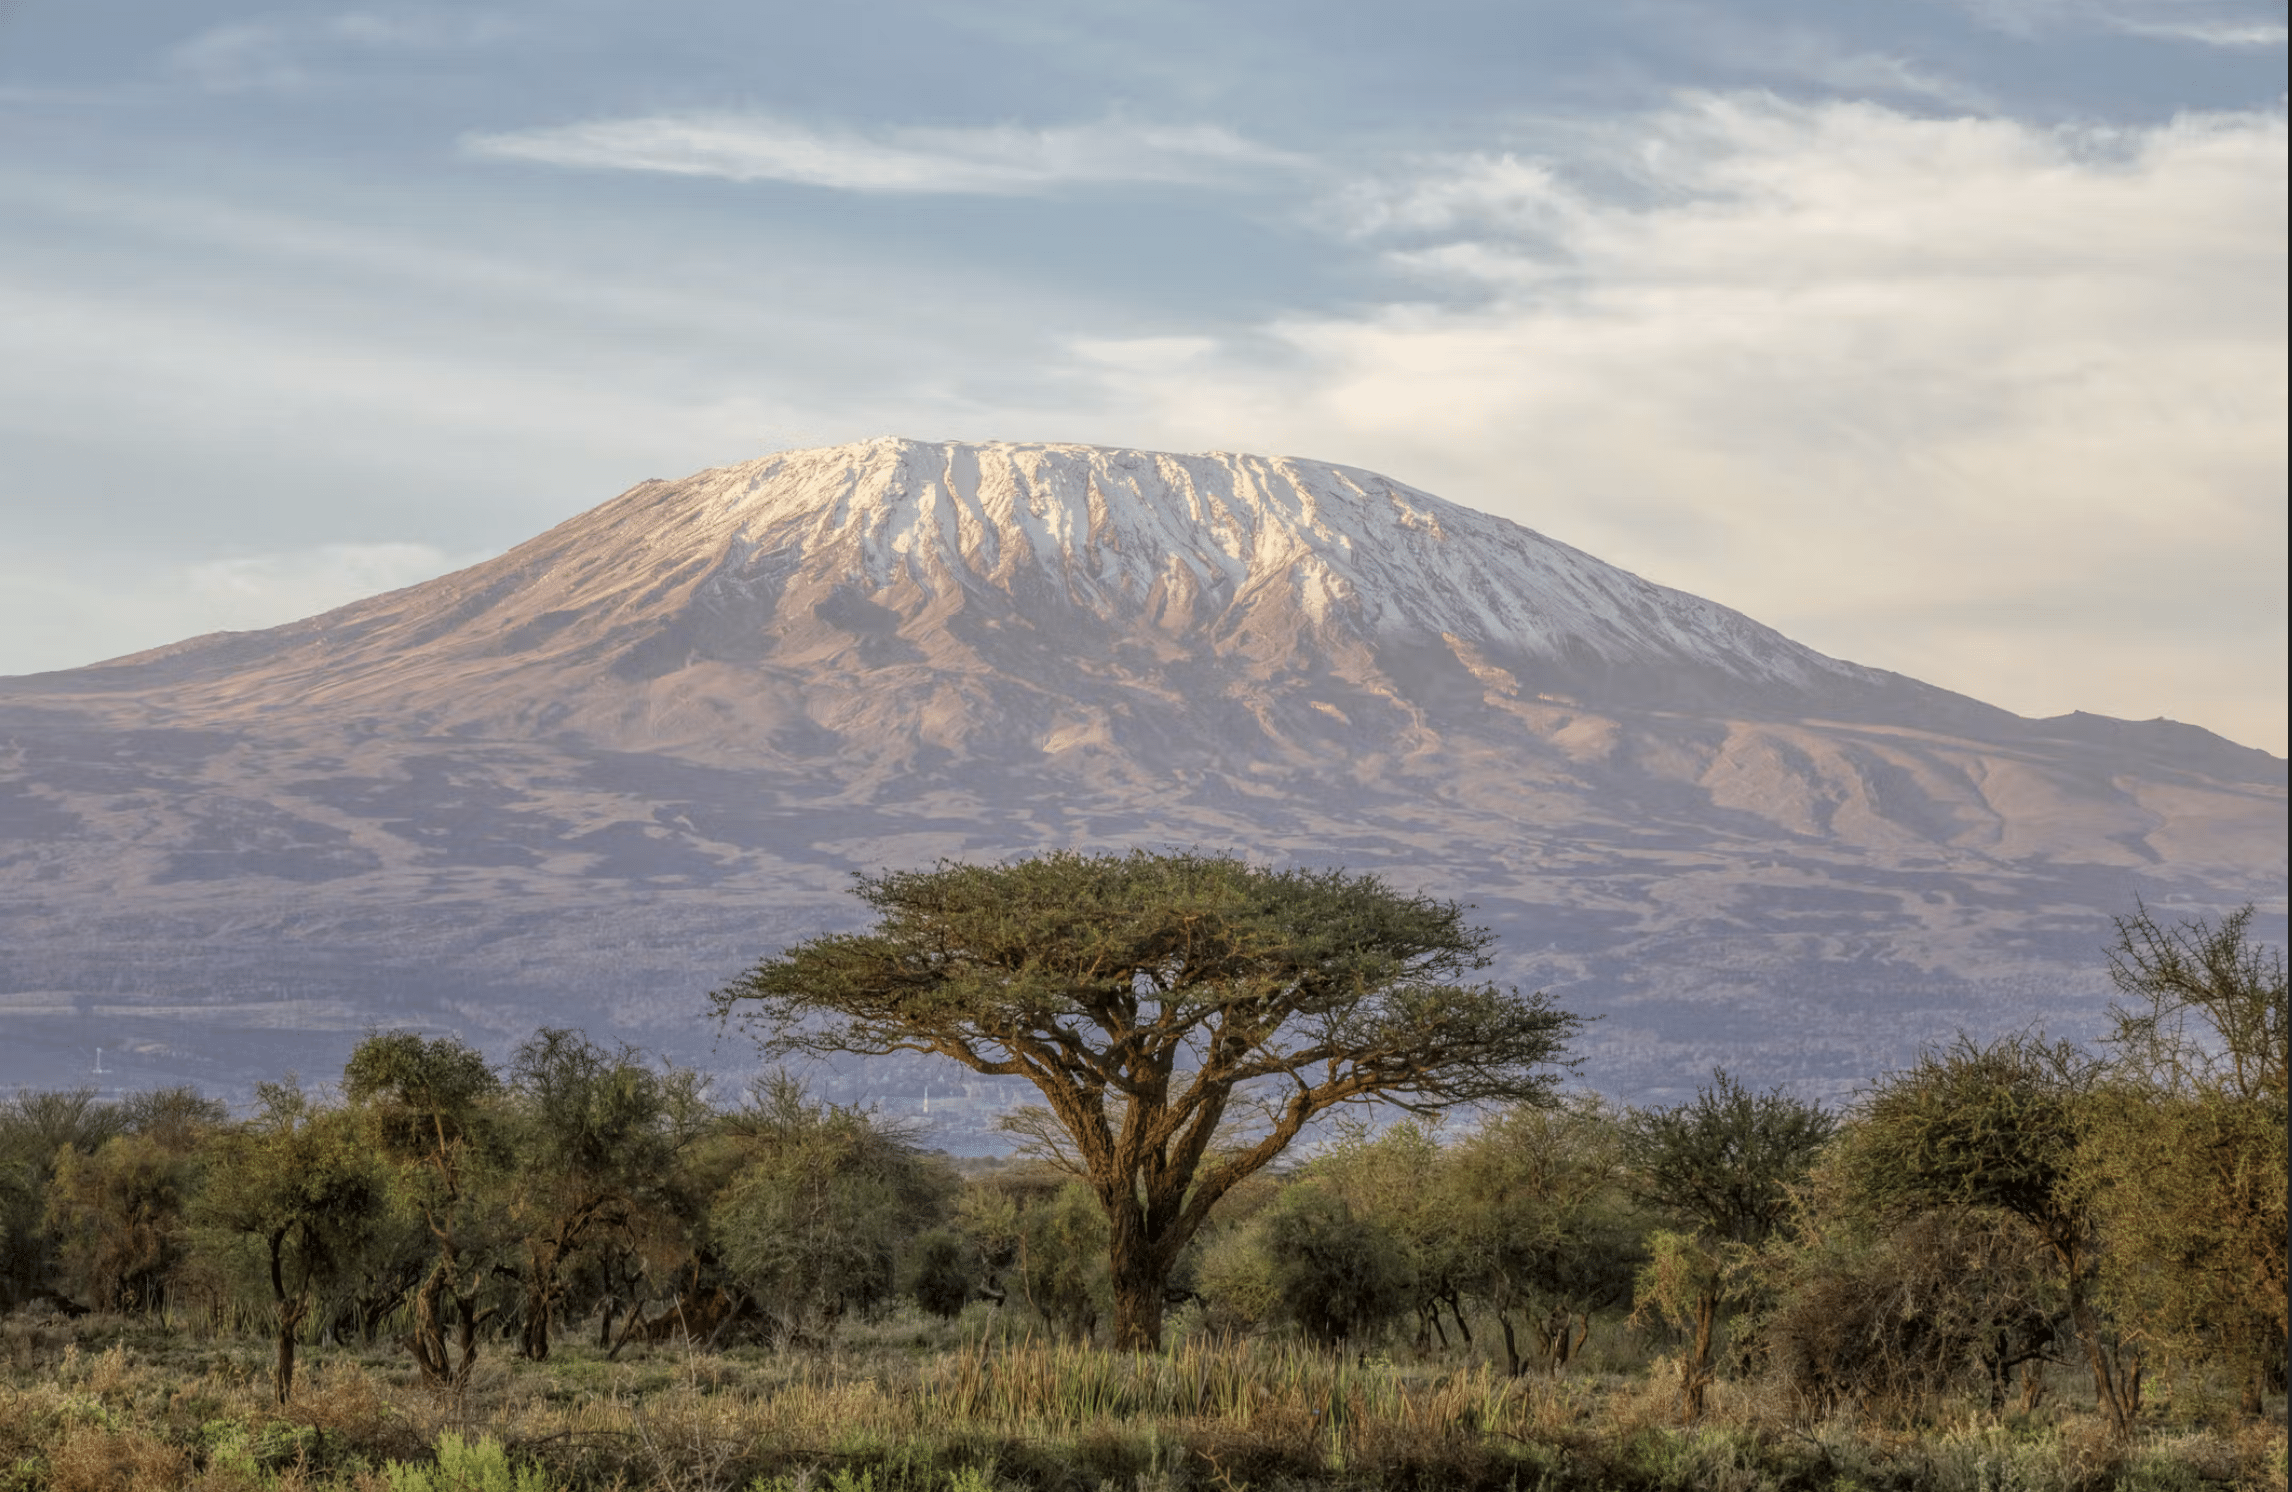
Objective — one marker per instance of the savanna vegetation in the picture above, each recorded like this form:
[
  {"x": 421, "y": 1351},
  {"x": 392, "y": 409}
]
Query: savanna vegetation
[{"x": 2017, "y": 1264}]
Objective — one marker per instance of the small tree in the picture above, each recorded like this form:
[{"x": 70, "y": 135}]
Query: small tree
[
  {"x": 1998, "y": 1127},
  {"x": 1723, "y": 1164},
  {"x": 118, "y": 1213},
  {"x": 1156, "y": 999},
  {"x": 430, "y": 1106},
  {"x": 119, "y": 1217},
  {"x": 1236, "y": 1283},
  {"x": 1041, "y": 1236},
  {"x": 1395, "y": 1179},
  {"x": 941, "y": 1271},
  {"x": 37, "y": 1130},
  {"x": 813, "y": 1224},
  {"x": 1888, "y": 1308},
  {"x": 300, "y": 1184},
  {"x": 2183, "y": 1156},
  {"x": 596, "y": 1140},
  {"x": 1534, "y": 1208}
]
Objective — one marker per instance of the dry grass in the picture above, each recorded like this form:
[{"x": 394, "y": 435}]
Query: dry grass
[{"x": 115, "y": 1406}]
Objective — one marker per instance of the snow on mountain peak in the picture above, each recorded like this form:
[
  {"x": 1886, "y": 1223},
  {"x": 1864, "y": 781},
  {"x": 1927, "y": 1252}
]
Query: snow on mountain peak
[
  {"x": 892, "y": 595},
  {"x": 1217, "y": 540}
]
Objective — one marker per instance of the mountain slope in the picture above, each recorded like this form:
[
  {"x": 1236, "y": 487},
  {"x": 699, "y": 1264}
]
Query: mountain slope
[{"x": 587, "y": 779}]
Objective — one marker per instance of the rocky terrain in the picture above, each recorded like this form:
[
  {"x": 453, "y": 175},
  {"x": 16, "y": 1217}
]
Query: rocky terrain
[{"x": 582, "y": 783}]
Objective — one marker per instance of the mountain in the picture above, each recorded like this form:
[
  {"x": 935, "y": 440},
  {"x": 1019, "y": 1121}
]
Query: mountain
[{"x": 584, "y": 782}]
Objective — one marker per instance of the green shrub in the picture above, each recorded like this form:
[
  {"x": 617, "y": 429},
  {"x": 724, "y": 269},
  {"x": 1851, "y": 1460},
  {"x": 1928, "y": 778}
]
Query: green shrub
[
  {"x": 466, "y": 1466},
  {"x": 940, "y": 1273},
  {"x": 1338, "y": 1275}
]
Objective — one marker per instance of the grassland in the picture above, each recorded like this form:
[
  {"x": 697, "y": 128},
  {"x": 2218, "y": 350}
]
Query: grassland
[{"x": 111, "y": 1404}]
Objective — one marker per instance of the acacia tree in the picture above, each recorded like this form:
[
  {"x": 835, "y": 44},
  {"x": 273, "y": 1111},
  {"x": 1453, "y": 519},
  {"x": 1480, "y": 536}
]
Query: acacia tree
[
  {"x": 598, "y": 1141},
  {"x": 118, "y": 1218},
  {"x": 118, "y": 1213},
  {"x": 2183, "y": 1155},
  {"x": 430, "y": 1106},
  {"x": 298, "y": 1182},
  {"x": 1337, "y": 1274},
  {"x": 1998, "y": 1127},
  {"x": 1041, "y": 1237},
  {"x": 1724, "y": 1164},
  {"x": 37, "y": 1129},
  {"x": 812, "y": 1224},
  {"x": 1393, "y": 1179},
  {"x": 1532, "y": 1203},
  {"x": 1157, "y": 1000}
]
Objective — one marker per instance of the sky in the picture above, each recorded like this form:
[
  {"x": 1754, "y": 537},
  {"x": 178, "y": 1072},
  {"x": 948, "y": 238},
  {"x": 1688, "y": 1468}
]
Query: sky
[{"x": 1947, "y": 336}]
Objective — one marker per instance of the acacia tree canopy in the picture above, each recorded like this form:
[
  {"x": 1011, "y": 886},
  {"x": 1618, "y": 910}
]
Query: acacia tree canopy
[
  {"x": 1163, "y": 1003},
  {"x": 1726, "y": 1164},
  {"x": 2182, "y": 1152}
]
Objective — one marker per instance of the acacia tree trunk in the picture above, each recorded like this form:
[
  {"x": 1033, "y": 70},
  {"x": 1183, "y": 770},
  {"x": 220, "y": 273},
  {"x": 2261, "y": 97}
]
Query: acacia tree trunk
[
  {"x": 1695, "y": 1375},
  {"x": 2116, "y": 1374},
  {"x": 291, "y": 1310},
  {"x": 1559, "y": 1337},
  {"x": 1138, "y": 1309},
  {"x": 465, "y": 1307},
  {"x": 539, "y": 1297},
  {"x": 429, "y": 1338},
  {"x": 1141, "y": 1270},
  {"x": 545, "y": 1262},
  {"x": 290, "y": 1322},
  {"x": 1564, "y": 1333}
]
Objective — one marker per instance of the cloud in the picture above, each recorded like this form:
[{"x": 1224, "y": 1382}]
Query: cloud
[
  {"x": 1861, "y": 374},
  {"x": 2209, "y": 33},
  {"x": 1803, "y": 54},
  {"x": 2213, "y": 23},
  {"x": 1002, "y": 160},
  {"x": 286, "y": 55}
]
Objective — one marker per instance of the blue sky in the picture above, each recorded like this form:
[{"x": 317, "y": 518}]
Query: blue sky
[{"x": 1947, "y": 337}]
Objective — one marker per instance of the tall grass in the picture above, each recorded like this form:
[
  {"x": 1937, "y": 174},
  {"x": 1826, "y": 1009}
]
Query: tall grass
[{"x": 112, "y": 1407}]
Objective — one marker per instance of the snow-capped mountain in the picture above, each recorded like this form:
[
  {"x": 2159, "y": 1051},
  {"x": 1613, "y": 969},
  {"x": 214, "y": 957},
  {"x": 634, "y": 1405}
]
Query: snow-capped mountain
[
  {"x": 814, "y": 562},
  {"x": 582, "y": 782}
]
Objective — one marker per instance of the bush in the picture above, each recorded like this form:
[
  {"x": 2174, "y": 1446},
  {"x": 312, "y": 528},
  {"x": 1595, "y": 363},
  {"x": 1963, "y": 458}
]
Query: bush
[
  {"x": 1235, "y": 1281},
  {"x": 94, "y": 1458},
  {"x": 1940, "y": 1301},
  {"x": 940, "y": 1273},
  {"x": 1337, "y": 1275},
  {"x": 466, "y": 1466}
]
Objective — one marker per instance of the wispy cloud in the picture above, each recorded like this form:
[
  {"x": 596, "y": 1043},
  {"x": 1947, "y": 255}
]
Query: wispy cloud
[
  {"x": 2209, "y": 33},
  {"x": 280, "y": 54},
  {"x": 2213, "y": 23},
  {"x": 1003, "y": 160}
]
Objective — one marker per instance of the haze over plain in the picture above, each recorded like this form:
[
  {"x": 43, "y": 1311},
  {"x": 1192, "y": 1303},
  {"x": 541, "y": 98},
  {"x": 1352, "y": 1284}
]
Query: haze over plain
[{"x": 1943, "y": 337}]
